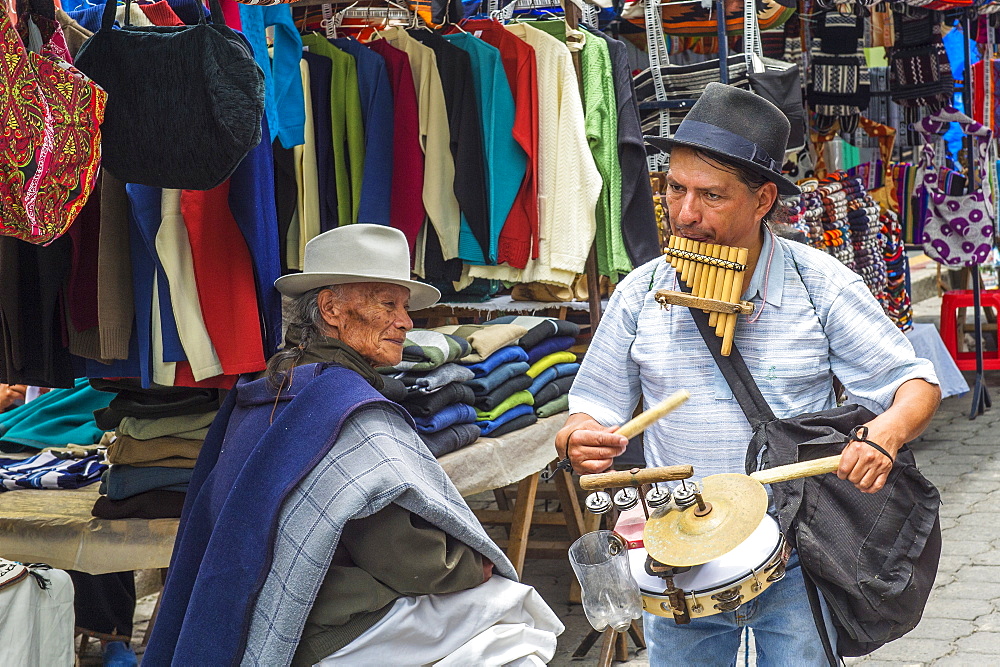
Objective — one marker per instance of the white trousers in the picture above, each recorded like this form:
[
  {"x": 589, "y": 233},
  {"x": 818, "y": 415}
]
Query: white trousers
[{"x": 499, "y": 622}]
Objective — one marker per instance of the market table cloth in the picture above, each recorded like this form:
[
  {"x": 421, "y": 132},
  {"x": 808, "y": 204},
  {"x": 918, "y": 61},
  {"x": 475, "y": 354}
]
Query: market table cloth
[{"x": 56, "y": 527}]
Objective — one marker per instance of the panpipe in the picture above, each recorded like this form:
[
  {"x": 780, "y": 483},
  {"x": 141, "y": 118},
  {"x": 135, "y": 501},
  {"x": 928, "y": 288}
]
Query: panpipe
[{"x": 715, "y": 275}]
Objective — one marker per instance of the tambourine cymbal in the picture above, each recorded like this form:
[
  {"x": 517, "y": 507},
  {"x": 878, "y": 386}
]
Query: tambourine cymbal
[{"x": 680, "y": 538}]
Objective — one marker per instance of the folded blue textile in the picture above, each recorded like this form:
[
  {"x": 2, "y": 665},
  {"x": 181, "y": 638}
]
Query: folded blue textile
[
  {"x": 503, "y": 372},
  {"x": 550, "y": 374},
  {"x": 124, "y": 481},
  {"x": 550, "y": 345},
  {"x": 515, "y": 412},
  {"x": 456, "y": 413},
  {"x": 504, "y": 355},
  {"x": 48, "y": 471}
]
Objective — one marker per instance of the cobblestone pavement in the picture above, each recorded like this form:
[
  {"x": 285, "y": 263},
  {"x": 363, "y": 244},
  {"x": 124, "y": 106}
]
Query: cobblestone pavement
[{"x": 961, "y": 624}]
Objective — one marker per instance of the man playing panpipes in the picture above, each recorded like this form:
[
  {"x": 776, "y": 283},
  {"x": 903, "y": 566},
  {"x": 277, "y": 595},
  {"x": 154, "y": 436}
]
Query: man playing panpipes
[{"x": 813, "y": 319}]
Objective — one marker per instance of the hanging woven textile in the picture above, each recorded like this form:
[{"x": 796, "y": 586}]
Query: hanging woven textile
[{"x": 838, "y": 84}]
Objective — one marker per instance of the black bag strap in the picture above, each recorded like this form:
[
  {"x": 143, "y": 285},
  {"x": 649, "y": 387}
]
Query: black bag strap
[
  {"x": 817, "y": 614},
  {"x": 111, "y": 6},
  {"x": 736, "y": 372},
  {"x": 747, "y": 393}
]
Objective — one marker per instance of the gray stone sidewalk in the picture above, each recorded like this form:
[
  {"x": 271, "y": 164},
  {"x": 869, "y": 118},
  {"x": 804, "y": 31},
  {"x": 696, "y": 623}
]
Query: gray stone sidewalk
[{"x": 961, "y": 624}]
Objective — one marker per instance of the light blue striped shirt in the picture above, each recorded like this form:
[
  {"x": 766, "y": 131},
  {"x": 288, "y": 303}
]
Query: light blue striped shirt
[{"x": 793, "y": 350}]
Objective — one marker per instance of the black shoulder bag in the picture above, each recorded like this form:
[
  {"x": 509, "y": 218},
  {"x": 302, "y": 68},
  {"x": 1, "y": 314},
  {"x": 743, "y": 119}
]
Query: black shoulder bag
[
  {"x": 184, "y": 102},
  {"x": 872, "y": 556}
]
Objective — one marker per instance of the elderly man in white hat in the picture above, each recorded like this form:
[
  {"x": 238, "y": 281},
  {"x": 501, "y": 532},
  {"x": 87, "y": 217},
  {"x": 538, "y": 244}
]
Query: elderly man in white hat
[{"x": 318, "y": 528}]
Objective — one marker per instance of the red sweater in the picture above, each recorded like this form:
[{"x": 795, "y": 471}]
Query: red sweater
[
  {"x": 224, "y": 273},
  {"x": 406, "y": 206}
]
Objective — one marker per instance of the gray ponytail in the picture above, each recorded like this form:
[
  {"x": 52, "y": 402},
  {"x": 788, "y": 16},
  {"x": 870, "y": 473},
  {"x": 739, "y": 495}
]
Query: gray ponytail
[{"x": 305, "y": 322}]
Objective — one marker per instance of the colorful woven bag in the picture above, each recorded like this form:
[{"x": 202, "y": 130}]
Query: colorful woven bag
[
  {"x": 50, "y": 117},
  {"x": 958, "y": 229}
]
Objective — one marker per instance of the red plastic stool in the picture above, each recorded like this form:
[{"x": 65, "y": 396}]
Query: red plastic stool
[{"x": 950, "y": 304}]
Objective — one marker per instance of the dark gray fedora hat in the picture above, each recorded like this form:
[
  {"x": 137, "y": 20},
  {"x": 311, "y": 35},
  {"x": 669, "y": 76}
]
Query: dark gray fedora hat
[{"x": 739, "y": 127}]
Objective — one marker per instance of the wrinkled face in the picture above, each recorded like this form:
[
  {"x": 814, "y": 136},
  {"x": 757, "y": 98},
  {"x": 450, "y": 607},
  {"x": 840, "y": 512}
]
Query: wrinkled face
[
  {"x": 371, "y": 318},
  {"x": 709, "y": 204}
]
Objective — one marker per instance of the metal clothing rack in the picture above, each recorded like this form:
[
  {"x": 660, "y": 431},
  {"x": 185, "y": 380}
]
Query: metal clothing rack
[{"x": 980, "y": 394}]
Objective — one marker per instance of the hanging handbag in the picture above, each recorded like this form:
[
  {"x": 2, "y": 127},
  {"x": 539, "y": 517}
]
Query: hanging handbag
[
  {"x": 51, "y": 115},
  {"x": 776, "y": 81},
  {"x": 920, "y": 76},
  {"x": 872, "y": 556},
  {"x": 957, "y": 229},
  {"x": 184, "y": 102}
]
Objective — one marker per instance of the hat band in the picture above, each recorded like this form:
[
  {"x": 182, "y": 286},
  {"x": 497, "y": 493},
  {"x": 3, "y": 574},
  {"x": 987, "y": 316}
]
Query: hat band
[{"x": 720, "y": 140}]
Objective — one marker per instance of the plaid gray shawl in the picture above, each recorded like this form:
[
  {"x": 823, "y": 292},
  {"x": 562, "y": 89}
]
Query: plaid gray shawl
[{"x": 377, "y": 459}]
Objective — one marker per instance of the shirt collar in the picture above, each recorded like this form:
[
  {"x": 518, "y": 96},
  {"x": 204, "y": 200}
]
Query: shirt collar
[{"x": 776, "y": 278}]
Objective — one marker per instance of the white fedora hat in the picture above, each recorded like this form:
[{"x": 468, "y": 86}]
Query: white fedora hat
[{"x": 359, "y": 253}]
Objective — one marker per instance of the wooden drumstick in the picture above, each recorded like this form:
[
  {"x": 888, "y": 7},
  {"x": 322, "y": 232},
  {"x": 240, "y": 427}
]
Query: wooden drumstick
[
  {"x": 797, "y": 470},
  {"x": 734, "y": 297},
  {"x": 635, "y": 477},
  {"x": 727, "y": 287},
  {"x": 641, "y": 422}
]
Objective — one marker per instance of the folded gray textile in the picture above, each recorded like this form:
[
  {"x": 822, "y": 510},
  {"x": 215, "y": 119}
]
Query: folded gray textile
[
  {"x": 554, "y": 389},
  {"x": 508, "y": 388},
  {"x": 553, "y": 407},
  {"x": 451, "y": 438},
  {"x": 433, "y": 380},
  {"x": 189, "y": 427},
  {"x": 422, "y": 405},
  {"x": 393, "y": 389},
  {"x": 123, "y": 481},
  {"x": 539, "y": 328},
  {"x": 425, "y": 350}
]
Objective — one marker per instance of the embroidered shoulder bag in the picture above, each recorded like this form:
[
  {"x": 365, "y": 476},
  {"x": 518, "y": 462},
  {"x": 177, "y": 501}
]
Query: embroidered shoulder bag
[
  {"x": 957, "y": 229},
  {"x": 50, "y": 116}
]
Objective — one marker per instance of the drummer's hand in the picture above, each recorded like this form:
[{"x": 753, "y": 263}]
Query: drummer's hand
[
  {"x": 589, "y": 445},
  {"x": 866, "y": 467}
]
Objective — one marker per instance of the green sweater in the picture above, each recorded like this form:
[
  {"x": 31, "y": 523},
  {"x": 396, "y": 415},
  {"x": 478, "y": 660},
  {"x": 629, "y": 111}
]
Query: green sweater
[
  {"x": 347, "y": 131},
  {"x": 600, "y": 112}
]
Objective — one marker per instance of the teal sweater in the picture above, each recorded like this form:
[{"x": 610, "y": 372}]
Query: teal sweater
[{"x": 506, "y": 161}]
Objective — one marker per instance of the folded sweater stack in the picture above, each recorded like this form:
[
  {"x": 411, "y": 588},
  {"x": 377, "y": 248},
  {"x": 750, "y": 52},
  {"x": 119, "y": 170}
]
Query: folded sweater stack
[
  {"x": 552, "y": 366},
  {"x": 157, "y": 437},
  {"x": 508, "y": 382},
  {"x": 56, "y": 418},
  {"x": 433, "y": 392}
]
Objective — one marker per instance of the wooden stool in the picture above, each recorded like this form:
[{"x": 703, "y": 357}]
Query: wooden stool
[
  {"x": 519, "y": 517},
  {"x": 614, "y": 644}
]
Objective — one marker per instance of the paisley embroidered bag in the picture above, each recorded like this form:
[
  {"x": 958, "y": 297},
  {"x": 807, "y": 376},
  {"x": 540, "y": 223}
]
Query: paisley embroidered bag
[
  {"x": 957, "y": 229},
  {"x": 50, "y": 116}
]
